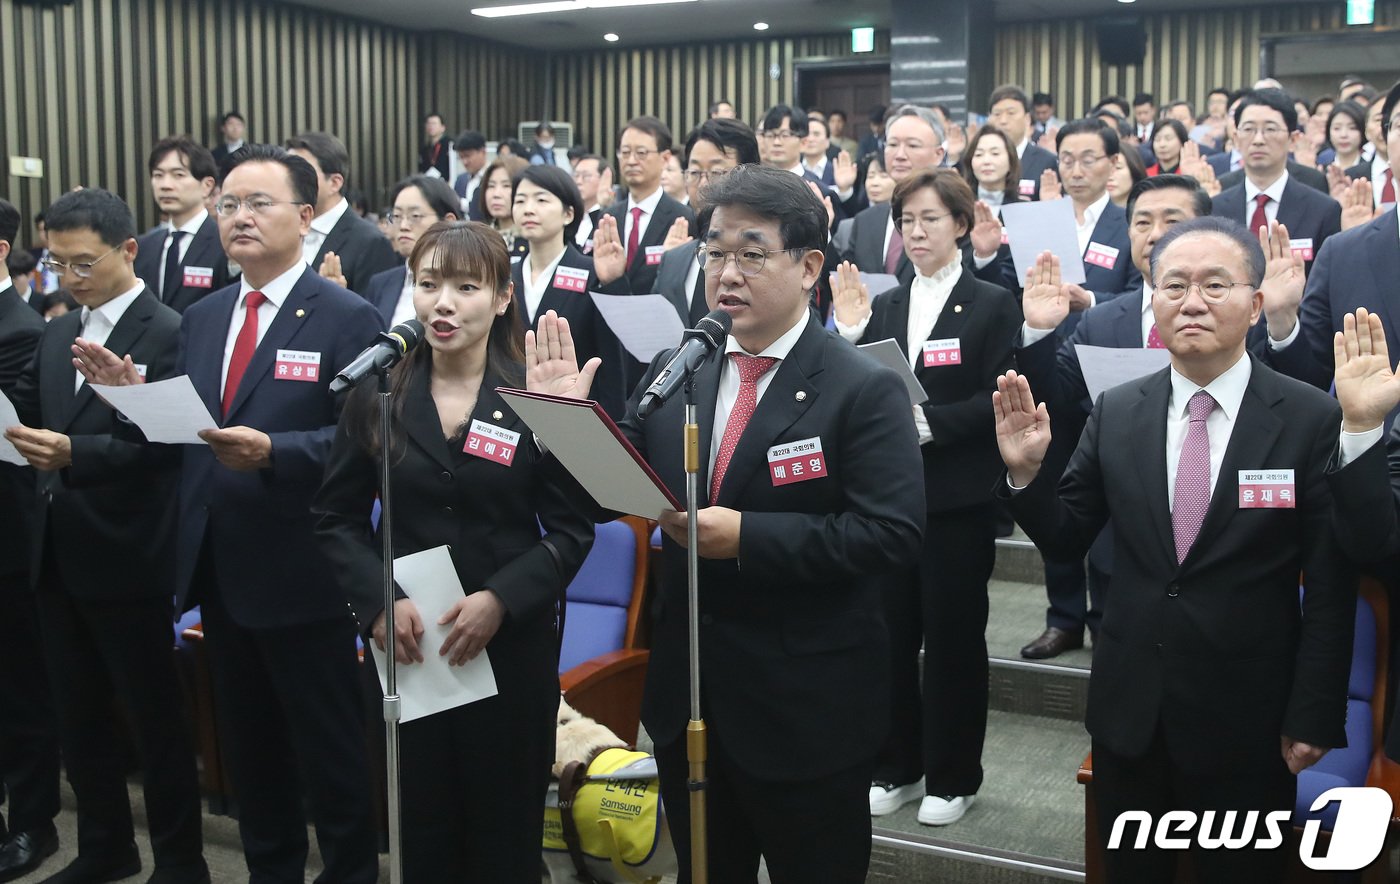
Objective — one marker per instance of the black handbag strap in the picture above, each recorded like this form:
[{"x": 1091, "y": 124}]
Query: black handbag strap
[{"x": 569, "y": 784}]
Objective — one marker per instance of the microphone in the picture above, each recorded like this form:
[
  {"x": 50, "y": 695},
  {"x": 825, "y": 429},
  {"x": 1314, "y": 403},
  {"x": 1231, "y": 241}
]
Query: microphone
[
  {"x": 386, "y": 351},
  {"x": 699, "y": 342}
]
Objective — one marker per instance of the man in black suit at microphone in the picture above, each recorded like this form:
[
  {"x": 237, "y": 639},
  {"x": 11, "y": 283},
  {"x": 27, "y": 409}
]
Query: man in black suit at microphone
[{"x": 806, "y": 449}]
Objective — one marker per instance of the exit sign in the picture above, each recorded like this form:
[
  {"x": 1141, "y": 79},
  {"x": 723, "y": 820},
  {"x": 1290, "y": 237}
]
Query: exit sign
[
  {"x": 862, "y": 39},
  {"x": 1361, "y": 12}
]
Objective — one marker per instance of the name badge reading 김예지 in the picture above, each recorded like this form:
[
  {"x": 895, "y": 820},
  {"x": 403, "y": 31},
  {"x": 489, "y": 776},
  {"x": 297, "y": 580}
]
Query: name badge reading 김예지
[{"x": 491, "y": 442}]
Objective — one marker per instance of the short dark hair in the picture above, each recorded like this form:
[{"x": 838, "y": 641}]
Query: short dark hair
[
  {"x": 544, "y": 127},
  {"x": 9, "y": 222},
  {"x": 796, "y": 117},
  {"x": 469, "y": 139},
  {"x": 877, "y": 113},
  {"x": 439, "y": 195},
  {"x": 1190, "y": 111},
  {"x": 511, "y": 164},
  {"x": 602, "y": 163},
  {"x": 576, "y": 152},
  {"x": 1043, "y": 99},
  {"x": 196, "y": 156},
  {"x": 1276, "y": 99},
  {"x": 1352, "y": 111},
  {"x": 1117, "y": 101},
  {"x": 952, "y": 190},
  {"x": 430, "y": 114},
  {"x": 329, "y": 151},
  {"x": 1089, "y": 126},
  {"x": 95, "y": 209},
  {"x": 1392, "y": 98},
  {"x": 1143, "y": 98},
  {"x": 651, "y": 126},
  {"x": 1218, "y": 226},
  {"x": 1200, "y": 200},
  {"x": 299, "y": 172},
  {"x": 1175, "y": 125},
  {"x": 515, "y": 147},
  {"x": 232, "y": 115},
  {"x": 561, "y": 184},
  {"x": 59, "y": 296},
  {"x": 20, "y": 261},
  {"x": 714, "y": 107},
  {"x": 836, "y": 112},
  {"x": 775, "y": 194},
  {"x": 725, "y": 134},
  {"x": 1002, "y": 93},
  {"x": 1219, "y": 90}
]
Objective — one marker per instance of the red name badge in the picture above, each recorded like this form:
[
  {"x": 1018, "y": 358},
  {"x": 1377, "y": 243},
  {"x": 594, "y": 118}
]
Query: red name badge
[
  {"x": 797, "y": 461},
  {"x": 199, "y": 277},
  {"x": 1303, "y": 248},
  {"x": 1027, "y": 187},
  {"x": 572, "y": 279},
  {"x": 946, "y": 351},
  {"x": 491, "y": 442},
  {"x": 1101, "y": 255},
  {"x": 1267, "y": 489},
  {"x": 655, "y": 253},
  {"x": 297, "y": 365},
  {"x": 1005, "y": 237}
]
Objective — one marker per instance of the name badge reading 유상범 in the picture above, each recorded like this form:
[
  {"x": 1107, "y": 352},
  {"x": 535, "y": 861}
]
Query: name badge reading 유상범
[
  {"x": 572, "y": 279},
  {"x": 797, "y": 461},
  {"x": 945, "y": 351},
  {"x": 297, "y": 365},
  {"x": 491, "y": 442},
  {"x": 1267, "y": 489}
]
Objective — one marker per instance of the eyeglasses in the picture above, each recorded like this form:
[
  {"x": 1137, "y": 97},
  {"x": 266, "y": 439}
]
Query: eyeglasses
[
  {"x": 229, "y": 206},
  {"x": 641, "y": 153},
  {"x": 695, "y": 176},
  {"x": 1086, "y": 162},
  {"x": 776, "y": 134},
  {"x": 749, "y": 260},
  {"x": 907, "y": 222},
  {"x": 414, "y": 218},
  {"x": 82, "y": 271},
  {"x": 1214, "y": 291},
  {"x": 1249, "y": 130}
]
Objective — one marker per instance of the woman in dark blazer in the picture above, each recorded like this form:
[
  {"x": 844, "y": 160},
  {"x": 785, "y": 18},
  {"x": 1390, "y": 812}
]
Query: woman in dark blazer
[
  {"x": 474, "y": 777},
  {"x": 958, "y": 331},
  {"x": 418, "y": 203},
  {"x": 554, "y": 275},
  {"x": 493, "y": 202},
  {"x": 993, "y": 172}
]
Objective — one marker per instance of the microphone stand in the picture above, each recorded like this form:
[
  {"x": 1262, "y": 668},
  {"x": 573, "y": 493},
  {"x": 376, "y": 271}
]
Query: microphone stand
[
  {"x": 696, "y": 750},
  {"x": 392, "y": 710}
]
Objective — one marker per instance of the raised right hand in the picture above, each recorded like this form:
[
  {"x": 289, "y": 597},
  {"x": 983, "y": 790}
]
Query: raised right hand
[
  {"x": 1367, "y": 388},
  {"x": 1049, "y": 185},
  {"x": 1337, "y": 182},
  {"x": 101, "y": 366},
  {"x": 551, "y": 367},
  {"x": 609, "y": 255},
  {"x": 1023, "y": 428},
  {"x": 1045, "y": 302},
  {"x": 678, "y": 235},
  {"x": 408, "y": 628},
  {"x": 850, "y": 297},
  {"x": 1357, "y": 204}
]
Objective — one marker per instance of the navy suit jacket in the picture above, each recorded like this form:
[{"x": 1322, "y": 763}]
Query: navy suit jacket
[
  {"x": 670, "y": 281},
  {"x": 363, "y": 250},
  {"x": 1220, "y": 163},
  {"x": 641, "y": 276},
  {"x": 205, "y": 251},
  {"x": 269, "y": 568},
  {"x": 384, "y": 289},
  {"x": 1107, "y": 282},
  {"x": 1035, "y": 161},
  {"x": 473, "y": 208},
  {"x": 1306, "y": 213}
]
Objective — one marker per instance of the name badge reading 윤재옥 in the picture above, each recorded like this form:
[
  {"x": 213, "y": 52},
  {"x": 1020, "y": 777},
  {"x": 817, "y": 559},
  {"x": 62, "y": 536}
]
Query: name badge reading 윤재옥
[
  {"x": 297, "y": 365},
  {"x": 1267, "y": 489},
  {"x": 491, "y": 442},
  {"x": 796, "y": 461}
]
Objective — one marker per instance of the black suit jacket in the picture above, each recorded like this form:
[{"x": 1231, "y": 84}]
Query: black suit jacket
[
  {"x": 641, "y": 276},
  {"x": 670, "y": 281},
  {"x": 109, "y": 515},
  {"x": 1305, "y": 174},
  {"x": 436, "y": 155},
  {"x": 20, "y": 329},
  {"x": 363, "y": 251},
  {"x": 1035, "y": 161},
  {"x": 1306, "y": 213},
  {"x": 205, "y": 251},
  {"x": 1107, "y": 282},
  {"x": 1215, "y": 651},
  {"x": 962, "y": 460},
  {"x": 384, "y": 289},
  {"x": 865, "y": 248},
  {"x": 794, "y": 649}
]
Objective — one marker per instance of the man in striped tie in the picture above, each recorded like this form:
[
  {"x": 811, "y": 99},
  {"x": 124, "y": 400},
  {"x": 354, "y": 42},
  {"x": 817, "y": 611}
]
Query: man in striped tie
[{"x": 1212, "y": 686}]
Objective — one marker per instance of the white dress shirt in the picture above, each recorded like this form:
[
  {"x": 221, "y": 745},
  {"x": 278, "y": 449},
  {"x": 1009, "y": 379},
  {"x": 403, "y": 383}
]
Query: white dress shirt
[
  {"x": 536, "y": 287},
  {"x": 729, "y": 381},
  {"x": 585, "y": 228},
  {"x": 98, "y": 322},
  {"x": 321, "y": 227},
  {"x": 404, "y": 309},
  {"x": 276, "y": 293},
  {"x": 1021, "y": 148},
  {"x": 816, "y": 170},
  {"x": 1092, "y": 213},
  {"x": 648, "y": 207},
  {"x": 692, "y": 273},
  {"x": 1275, "y": 192},
  {"x": 1228, "y": 392},
  {"x": 189, "y": 228}
]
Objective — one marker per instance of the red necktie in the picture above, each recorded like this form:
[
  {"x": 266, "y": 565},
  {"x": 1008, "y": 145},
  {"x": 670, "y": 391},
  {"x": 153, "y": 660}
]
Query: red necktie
[
  {"x": 634, "y": 235},
  {"x": 894, "y": 251},
  {"x": 1388, "y": 191},
  {"x": 1154, "y": 340},
  {"x": 751, "y": 368},
  {"x": 243, "y": 347},
  {"x": 1191, "y": 497},
  {"x": 1260, "y": 220}
]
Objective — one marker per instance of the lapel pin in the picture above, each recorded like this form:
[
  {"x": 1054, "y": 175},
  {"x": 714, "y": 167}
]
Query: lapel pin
[
  {"x": 801, "y": 396},
  {"x": 301, "y": 313},
  {"x": 957, "y": 308},
  {"x": 495, "y": 415}
]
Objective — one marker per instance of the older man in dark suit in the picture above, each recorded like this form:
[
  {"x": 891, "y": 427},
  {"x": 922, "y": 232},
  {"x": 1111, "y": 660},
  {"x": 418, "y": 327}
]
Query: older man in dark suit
[{"x": 1213, "y": 473}]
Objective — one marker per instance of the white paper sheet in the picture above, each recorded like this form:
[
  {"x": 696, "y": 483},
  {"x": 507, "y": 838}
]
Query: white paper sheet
[
  {"x": 645, "y": 324},
  {"x": 876, "y": 284},
  {"x": 167, "y": 411},
  {"x": 1106, "y": 367},
  {"x": 429, "y": 579},
  {"x": 9, "y": 418},
  {"x": 1048, "y": 225},
  {"x": 888, "y": 352},
  {"x": 597, "y": 459}
]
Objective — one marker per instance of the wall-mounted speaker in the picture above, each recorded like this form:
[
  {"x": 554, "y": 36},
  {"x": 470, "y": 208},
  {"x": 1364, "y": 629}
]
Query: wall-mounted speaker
[{"x": 1122, "y": 40}]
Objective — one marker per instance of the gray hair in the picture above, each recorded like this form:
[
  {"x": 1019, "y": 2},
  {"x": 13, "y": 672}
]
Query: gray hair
[
  {"x": 1215, "y": 225},
  {"x": 923, "y": 113}
]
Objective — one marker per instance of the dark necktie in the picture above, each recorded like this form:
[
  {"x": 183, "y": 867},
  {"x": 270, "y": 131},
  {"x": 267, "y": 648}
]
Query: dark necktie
[{"x": 170, "y": 279}]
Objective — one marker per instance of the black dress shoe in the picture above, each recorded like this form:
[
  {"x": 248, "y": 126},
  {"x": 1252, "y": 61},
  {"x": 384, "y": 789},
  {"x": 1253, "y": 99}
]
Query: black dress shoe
[
  {"x": 23, "y": 852},
  {"x": 99, "y": 870},
  {"x": 186, "y": 874},
  {"x": 1052, "y": 643}
]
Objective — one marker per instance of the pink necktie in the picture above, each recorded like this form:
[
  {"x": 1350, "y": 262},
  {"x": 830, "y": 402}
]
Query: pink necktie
[
  {"x": 1260, "y": 220},
  {"x": 634, "y": 236},
  {"x": 1192, "y": 495},
  {"x": 894, "y": 251},
  {"x": 751, "y": 368},
  {"x": 1154, "y": 340}
]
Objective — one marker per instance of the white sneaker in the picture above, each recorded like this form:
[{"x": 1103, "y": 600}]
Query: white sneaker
[
  {"x": 941, "y": 811},
  {"x": 886, "y": 798}
]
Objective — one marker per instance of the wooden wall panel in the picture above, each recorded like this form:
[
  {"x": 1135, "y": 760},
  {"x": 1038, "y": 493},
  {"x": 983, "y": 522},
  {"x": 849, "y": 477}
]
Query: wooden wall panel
[{"x": 1188, "y": 53}]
